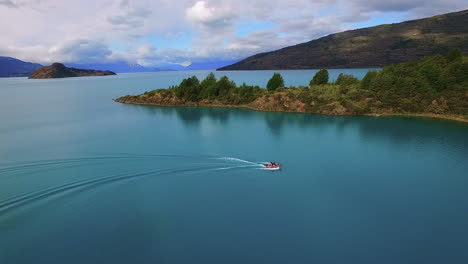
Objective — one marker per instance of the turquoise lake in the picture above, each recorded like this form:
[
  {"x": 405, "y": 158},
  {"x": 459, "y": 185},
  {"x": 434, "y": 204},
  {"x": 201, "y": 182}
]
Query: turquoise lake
[{"x": 84, "y": 179}]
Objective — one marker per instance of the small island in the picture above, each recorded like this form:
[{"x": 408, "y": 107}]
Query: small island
[
  {"x": 435, "y": 86},
  {"x": 58, "y": 70}
]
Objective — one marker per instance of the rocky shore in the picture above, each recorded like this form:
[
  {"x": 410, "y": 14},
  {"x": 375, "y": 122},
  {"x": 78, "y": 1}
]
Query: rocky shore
[{"x": 277, "y": 102}]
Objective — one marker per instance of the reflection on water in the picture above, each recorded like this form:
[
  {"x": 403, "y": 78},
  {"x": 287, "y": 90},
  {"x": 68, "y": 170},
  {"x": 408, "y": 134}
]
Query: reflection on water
[
  {"x": 191, "y": 116},
  {"x": 404, "y": 131},
  {"x": 394, "y": 130}
]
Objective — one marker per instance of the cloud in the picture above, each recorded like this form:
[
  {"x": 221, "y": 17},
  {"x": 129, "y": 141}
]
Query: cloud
[
  {"x": 436, "y": 7},
  {"x": 76, "y": 51},
  {"x": 93, "y": 30},
  {"x": 17, "y": 4},
  {"x": 214, "y": 24},
  {"x": 29, "y": 53},
  {"x": 205, "y": 15},
  {"x": 149, "y": 55},
  {"x": 130, "y": 17},
  {"x": 8, "y": 3},
  {"x": 80, "y": 51},
  {"x": 359, "y": 10},
  {"x": 389, "y": 6},
  {"x": 289, "y": 33}
]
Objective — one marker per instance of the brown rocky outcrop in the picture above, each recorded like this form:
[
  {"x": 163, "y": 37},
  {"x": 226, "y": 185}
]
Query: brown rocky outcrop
[{"x": 58, "y": 70}]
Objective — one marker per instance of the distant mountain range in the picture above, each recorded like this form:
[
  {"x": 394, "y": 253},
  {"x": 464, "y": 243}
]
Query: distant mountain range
[
  {"x": 210, "y": 65},
  {"x": 369, "y": 47},
  {"x": 121, "y": 67},
  {"x": 11, "y": 67}
]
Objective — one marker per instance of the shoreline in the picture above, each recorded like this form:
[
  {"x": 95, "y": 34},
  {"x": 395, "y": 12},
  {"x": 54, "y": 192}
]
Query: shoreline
[{"x": 455, "y": 118}]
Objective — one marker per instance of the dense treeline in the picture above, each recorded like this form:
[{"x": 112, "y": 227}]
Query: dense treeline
[
  {"x": 223, "y": 90},
  {"x": 437, "y": 84}
]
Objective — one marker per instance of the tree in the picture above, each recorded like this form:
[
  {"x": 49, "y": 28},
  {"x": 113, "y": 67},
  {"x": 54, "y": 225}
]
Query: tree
[
  {"x": 454, "y": 54},
  {"x": 367, "y": 80},
  {"x": 208, "y": 86},
  {"x": 275, "y": 82},
  {"x": 321, "y": 77},
  {"x": 189, "y": 82},
  {"x": 224, "y": 86},
  {"x": 188, "y": 88},
  {"x": 209, "y": 80},
  {"x": 346, "y": 79}
]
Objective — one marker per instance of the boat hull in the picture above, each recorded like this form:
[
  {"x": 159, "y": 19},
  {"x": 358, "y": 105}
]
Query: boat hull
[{"x": 272, "y": 168}]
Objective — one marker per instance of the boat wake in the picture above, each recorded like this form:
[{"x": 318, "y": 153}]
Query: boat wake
[
  {"x": 251, "y": 163},
  {"x": 26, "y": 183},
  {"x": 259, "y": 165}
]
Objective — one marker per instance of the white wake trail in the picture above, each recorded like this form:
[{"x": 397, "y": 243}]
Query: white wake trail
[
  {"x": 232, "y": 167},
  {"x": 241, "y": 160}
]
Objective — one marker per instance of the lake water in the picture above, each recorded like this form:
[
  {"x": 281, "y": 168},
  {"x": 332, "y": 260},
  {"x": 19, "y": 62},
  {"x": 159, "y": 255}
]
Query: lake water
[{"x": 84, "y": 179}]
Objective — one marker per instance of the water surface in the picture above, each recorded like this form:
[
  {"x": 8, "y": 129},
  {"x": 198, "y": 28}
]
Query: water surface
[{"x": 86, "y": 180}]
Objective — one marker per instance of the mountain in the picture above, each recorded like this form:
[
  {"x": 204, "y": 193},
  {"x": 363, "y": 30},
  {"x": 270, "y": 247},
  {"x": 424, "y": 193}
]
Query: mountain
[
  {"x": 210, "y": 65},
  {"x": 58, "y": 70},
  {"x": 11, "y": 67},
  {"x": 369, "y": 47},
  {"x": 121, "y": 67}
]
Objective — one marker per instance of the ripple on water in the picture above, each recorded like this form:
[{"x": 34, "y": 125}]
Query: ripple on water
[{"x": 72, "y": 175}]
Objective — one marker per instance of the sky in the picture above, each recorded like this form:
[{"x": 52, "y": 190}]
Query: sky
[{"x": 162, "y": 32}]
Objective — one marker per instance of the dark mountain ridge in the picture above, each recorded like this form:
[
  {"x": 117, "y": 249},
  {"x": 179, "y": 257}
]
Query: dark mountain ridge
[
  {"x": 11, "y": 67},
  {"x": 369, "y": 47}
]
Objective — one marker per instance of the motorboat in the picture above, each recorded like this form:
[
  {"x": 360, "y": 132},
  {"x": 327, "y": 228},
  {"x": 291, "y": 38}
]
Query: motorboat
[{"x": 272, "y": 166}]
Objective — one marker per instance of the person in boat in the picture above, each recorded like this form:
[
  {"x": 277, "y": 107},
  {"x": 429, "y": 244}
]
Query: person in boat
[{"x": 272, "y": 163}]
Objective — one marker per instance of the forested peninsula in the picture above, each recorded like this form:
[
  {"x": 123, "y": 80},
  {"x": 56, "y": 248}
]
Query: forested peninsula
[{"x": 436, "y": 86}]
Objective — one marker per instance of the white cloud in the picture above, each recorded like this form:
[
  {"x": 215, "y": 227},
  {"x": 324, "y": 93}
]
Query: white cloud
[
  {"x": 213, "y": 24},
  {"x": 207, "y": 15},
  {"x": 80, "y": 50}
]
